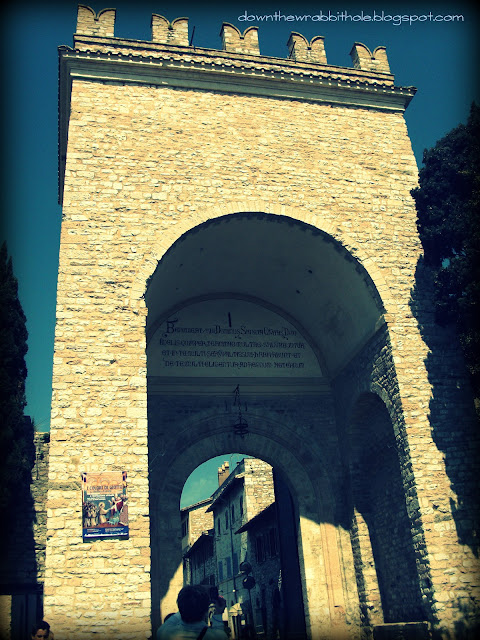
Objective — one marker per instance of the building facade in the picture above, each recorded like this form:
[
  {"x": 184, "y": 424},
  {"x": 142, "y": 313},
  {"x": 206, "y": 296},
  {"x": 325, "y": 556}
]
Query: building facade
[
  {"x": 199, "y": 561},
  {"x": 197, "y": 543},
  {"x": 264, "y": 605},
  {"x": 241, "y": 555},
  {"x": 195, "y": 520},
  {"x": 234, "y": 220},
  {"x": 245, "y": 493}
]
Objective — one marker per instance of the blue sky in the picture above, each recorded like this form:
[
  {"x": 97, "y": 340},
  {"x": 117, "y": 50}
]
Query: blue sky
[
  {"x": 438, "y": 58},
  {"x": 204, "y": 480}
]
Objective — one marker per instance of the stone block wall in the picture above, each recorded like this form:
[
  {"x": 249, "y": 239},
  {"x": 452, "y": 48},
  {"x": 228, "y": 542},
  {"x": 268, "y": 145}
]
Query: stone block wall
[
  {"x": 258, "y": 486},
  {"x": 199, "y": 521},
  {"x": 22, "y": 566},
  {"x": 410, "y": 463},
  {"x": 265, "y": 596},
  {"x": 39, "y": 494},
  {"x": 226, "y": 542},
  {"x": 380, "y": 468},
  {"x": 203, "y": 565}
]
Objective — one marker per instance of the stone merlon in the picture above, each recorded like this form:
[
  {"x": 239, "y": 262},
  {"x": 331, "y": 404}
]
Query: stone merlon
[
  {"x": 100, "y": 24},
  {"x": 363, "y": 59},
  {"x": 300, "y": 49},
  {"x": 234, "y": 42},
  {"x": 166, "y": 32}
]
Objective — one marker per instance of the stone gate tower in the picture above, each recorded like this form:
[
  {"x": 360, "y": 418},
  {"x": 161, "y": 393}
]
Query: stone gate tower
[{"x": 231, "y": 219}]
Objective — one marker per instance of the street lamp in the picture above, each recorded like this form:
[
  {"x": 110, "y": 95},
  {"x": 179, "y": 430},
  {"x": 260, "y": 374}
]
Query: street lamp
[
  {"x": 240, "y": 428},
  {"x": 248, "y": 582}
]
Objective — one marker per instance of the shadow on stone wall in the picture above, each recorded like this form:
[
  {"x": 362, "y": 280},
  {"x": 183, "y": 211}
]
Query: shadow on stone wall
[
  {"x": 470, "y": 613},
  {"x": 379, "y": 496},
  {"x": 452, "y": 414},
  {"x": 23, "y": 547}
]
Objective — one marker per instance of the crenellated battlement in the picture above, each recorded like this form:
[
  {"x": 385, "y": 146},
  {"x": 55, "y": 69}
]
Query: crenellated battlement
[
  {"x": 175, "y": 33},
  {"x": 170, "y": 59}
]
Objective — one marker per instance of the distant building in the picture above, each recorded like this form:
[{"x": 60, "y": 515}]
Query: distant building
[
  {"x": 263, "y": 553},
  {"x": 196, "y": 522},
  {"x": 241, "y": 496},
  {"x": 195, "y": 519},
  {"x": 241, "y": 554},
  {"x": 199, "y": 562}
]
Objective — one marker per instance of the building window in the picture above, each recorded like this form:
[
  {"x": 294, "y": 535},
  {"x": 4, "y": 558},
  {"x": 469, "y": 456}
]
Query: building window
[
  {"x": 229, "y": 567},
  {"x": 226, "y": 520},
  {"x": 266, "y": 544},
  {"x": 232, "y": 514},
  {"x": 241, "y": 507},
  {"x": 259, "y": 549},
  {"x": 184, "y": 527},
  {"x": 220, "y": 570},
  {"x": 272, "y": 534},
  {"x": 218, "y": 526},
  {"x": 235, "y": 563}
]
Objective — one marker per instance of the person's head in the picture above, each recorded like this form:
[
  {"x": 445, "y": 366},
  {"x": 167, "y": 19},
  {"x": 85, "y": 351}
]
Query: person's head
[
  {"x": 41, "y": 630},
  {"x": 193, "y": 602}
]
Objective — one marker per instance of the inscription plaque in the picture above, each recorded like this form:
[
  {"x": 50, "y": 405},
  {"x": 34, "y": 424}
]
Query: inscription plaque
[{"x": 229, "y": 337}]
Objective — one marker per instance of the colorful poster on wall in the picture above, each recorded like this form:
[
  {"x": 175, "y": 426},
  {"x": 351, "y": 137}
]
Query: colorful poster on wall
[{"x": 104, "y": 505}]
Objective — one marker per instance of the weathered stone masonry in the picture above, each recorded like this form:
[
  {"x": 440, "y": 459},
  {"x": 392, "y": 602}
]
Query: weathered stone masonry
[
  {"x": 165, "y": 146},
  {"x": 22, "y": 570}
]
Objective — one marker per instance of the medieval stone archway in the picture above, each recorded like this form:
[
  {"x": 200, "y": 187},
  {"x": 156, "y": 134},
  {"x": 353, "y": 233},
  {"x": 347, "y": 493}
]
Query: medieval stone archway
[
  {"x": 254, "y": 193},
  {"x": 233, "y": 303}
]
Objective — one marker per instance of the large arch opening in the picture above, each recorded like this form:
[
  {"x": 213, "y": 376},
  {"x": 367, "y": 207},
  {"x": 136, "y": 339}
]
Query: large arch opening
[
  {"x": 276, "y": 309},
  {"x": 292, "y": 459}
]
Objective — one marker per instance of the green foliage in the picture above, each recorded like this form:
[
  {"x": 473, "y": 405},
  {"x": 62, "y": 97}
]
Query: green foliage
[
  {"x": 447, "y": 202},
  {"x": 16, "y": 432}
]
